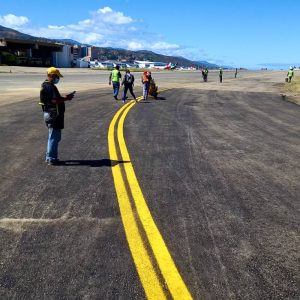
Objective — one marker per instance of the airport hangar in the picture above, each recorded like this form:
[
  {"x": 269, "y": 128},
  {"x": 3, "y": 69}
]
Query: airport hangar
[{"x": 41, "y": 53}]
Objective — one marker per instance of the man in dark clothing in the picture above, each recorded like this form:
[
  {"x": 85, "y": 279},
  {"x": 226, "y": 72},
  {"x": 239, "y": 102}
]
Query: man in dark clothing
[
  {"x": 235, "y": 74},
  {"x": 128, "y": 82},
  {"x": 203, "y": 74},
  {"x": 221, "y": 74},
  {"x": 53, "y": 109}
]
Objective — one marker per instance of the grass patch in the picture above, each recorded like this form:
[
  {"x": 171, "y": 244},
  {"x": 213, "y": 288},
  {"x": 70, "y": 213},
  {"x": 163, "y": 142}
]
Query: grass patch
[
  {"x": 293, "y": 90},
  {"x": 294, "y": 86}
]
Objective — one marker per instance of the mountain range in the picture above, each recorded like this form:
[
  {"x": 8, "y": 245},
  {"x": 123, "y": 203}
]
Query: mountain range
[{"x": 108, "y": 53}]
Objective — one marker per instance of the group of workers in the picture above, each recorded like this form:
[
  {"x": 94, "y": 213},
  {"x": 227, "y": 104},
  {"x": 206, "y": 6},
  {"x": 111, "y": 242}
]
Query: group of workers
[
  {"x": 128, "y": 82},
  {"x": 53, "y": 104},
  {"x": 205, "y": 74},
  {"x": 290, "y": 74}
]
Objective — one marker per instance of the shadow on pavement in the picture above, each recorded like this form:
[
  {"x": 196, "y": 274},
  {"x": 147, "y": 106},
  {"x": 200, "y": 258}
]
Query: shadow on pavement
[
  {"x": 148, "y": 101},
  {"x": 91, "y": 163}
]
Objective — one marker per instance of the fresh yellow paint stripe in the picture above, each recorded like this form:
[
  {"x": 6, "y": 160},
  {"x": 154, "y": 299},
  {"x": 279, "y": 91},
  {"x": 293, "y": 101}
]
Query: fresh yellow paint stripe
[
  {"x": 166, "y": 264},
  {"x": 147, "y": 274}
]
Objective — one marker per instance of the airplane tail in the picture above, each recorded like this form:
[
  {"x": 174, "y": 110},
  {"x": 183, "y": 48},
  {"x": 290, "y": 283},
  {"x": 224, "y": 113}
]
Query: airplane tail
[{"x": 168, "y": 66}]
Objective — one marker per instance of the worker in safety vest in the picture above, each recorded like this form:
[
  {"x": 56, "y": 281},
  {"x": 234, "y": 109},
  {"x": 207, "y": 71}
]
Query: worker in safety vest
[
  {"x": 290, "y": 74},
  {"x": 114, "y": 78},
  {"x": 205, "y": 74}
]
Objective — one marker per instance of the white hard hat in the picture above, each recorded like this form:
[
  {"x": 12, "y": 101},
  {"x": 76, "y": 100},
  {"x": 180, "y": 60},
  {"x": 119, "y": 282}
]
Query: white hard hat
[{"x": 291, "y": 68}]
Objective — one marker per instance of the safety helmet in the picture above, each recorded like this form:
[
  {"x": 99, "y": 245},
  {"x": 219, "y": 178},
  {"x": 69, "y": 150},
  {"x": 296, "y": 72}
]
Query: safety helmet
[{"x": 54, "y": 71}]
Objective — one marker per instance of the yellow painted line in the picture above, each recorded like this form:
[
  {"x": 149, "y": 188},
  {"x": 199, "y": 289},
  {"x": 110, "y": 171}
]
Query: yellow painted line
[
  {"x": 165, "y": 262},
  {"x": 147, "y": 274},
  {"x": 145, "y": 268}
]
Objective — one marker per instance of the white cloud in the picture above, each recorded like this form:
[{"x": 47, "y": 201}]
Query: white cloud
[
  {"x": 105, "y": 10},
  {"x": 164, "y": 46},
  {"x": 85, "y": 23},
  {"x": 140, "y": 45},
  {"x": 103, "y": 22},
  {"x": 13, "y": 21},
  {"x": 92, "y": 37},
  {"x": 107, "y": 15},
  {"x": 135, "y": 46},
  {"x": 55, "y": 27}
]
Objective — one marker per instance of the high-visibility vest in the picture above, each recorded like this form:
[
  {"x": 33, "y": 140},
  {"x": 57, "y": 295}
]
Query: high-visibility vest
[
  {"x": 290, "y": 73},
  {"x": 115, "y": 75}
]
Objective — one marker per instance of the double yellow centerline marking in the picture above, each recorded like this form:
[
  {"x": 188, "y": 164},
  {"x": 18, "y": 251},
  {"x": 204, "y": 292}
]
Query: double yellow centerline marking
[{"x": 155, "y": 266}]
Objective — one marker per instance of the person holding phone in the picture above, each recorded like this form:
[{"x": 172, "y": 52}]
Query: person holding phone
[{"x": 53, "y": 106}]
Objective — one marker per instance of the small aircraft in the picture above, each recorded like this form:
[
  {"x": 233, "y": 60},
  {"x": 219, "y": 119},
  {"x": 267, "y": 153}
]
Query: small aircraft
[
  {"x": 169, "y": 66},
  {"x": 158, "y": 65}
]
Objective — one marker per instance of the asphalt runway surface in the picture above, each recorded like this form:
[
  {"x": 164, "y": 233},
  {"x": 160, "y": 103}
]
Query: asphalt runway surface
[{"x": 218, "y": 166}]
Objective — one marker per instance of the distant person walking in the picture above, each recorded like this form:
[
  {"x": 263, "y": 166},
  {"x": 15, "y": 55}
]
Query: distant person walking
[
  {"x": 221, "y": 74},
  {"x": 235, "y": 74},
  {"x": 128, "y": 82},
  {"x": 53, "y": 105},
  {"x": 205, "y": 74},
  {"x": 290, "y": 74},
  {"x": 114, "y": 78},
  {"x": 146, "y": 78}
]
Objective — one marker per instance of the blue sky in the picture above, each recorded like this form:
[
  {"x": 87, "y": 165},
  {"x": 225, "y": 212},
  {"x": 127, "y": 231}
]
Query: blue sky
[{"x": 240, "y": 33}]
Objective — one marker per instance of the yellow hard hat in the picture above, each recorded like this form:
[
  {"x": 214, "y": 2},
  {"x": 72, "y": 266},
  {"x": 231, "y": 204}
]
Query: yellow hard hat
[{"x": 54, "y": 71}]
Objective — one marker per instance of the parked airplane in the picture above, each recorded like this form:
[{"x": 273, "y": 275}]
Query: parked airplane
[
  {"x": 169, "y": 66},
  {"x": 163, "y": 66},
  {"x": 158, "y": 65}
]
